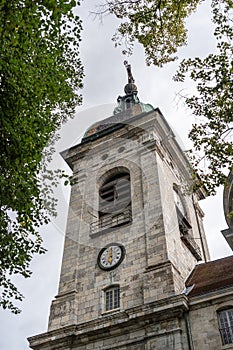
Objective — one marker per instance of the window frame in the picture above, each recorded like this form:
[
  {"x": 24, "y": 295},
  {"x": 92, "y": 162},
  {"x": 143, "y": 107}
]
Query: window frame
[
  {"x": 226, "y": 333},
  {"x": 111, "y": 298}
]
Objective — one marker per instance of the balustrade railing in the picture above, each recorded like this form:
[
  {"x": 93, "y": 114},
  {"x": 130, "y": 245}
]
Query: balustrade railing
[
  {"x": 113, "y": 220},
  {"x": 190, "y": 242}
]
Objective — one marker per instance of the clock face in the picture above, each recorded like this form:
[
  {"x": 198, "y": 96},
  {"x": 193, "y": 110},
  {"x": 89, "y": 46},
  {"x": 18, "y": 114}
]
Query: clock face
[{"x": 110, "y": 256}]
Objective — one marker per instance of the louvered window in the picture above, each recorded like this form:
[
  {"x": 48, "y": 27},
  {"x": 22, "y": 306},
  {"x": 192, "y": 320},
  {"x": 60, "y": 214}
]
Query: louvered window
[
  {"x": 184, "y": 224},
  {"x": 114, "y": 203},
  {"x": 115, "y": 195}
]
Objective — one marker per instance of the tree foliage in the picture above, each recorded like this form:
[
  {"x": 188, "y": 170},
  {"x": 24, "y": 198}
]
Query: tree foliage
[
  {"x": 212, "y": 105},
  {"x": 40, "y": 74},
  {"x": 158, "y": 25}
]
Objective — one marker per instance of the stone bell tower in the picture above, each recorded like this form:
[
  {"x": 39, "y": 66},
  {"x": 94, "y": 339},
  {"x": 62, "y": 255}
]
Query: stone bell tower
[{"x": 134, "y": 233}]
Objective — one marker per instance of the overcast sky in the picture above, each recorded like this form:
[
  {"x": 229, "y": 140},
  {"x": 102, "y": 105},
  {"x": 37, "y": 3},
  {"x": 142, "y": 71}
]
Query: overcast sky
[{"x": 104, "y": 81}]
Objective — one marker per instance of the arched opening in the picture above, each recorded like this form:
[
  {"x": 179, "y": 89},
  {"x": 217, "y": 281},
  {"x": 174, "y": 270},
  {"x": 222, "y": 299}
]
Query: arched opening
[
  {"x": 114, "y": 200},
  {"x": 184, "y": 225},
  {"x": 115, "y": 195},
  {"x": 128, "y": 103}
]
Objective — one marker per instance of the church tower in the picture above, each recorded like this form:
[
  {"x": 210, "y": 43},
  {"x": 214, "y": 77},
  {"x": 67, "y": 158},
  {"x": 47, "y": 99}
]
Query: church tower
[{"x": 134, "y": 233}]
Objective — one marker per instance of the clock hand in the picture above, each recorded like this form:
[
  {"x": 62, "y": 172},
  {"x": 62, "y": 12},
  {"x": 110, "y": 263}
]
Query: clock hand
[{"x": 110, "y": 255}]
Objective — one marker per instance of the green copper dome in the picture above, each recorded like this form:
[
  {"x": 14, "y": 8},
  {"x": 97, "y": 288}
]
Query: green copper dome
[{"x": 128, "y": 106}]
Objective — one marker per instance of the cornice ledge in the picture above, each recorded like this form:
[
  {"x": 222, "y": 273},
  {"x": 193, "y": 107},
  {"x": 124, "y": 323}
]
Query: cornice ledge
[
  {"x": 210, "y": 296},
  {"x": 105, "y": 325}
]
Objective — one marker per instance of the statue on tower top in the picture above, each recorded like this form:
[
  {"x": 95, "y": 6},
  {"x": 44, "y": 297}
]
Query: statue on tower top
[
  {"x": 129, "y": 72},
  {"x": 130, "y": 88}
]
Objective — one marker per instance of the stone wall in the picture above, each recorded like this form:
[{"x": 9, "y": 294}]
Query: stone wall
[
  {"x": 204, "y": 319},
  {"x": 157, "y": 262}
]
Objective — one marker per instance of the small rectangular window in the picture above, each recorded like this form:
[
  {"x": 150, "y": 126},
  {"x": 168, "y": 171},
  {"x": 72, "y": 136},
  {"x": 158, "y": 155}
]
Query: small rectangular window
[
  {"x": 225, "y": 319},
  {"x": 112, "y": 299}
]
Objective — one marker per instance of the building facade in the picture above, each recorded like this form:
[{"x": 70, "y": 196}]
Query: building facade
[{"x": 134, "y": 236}]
